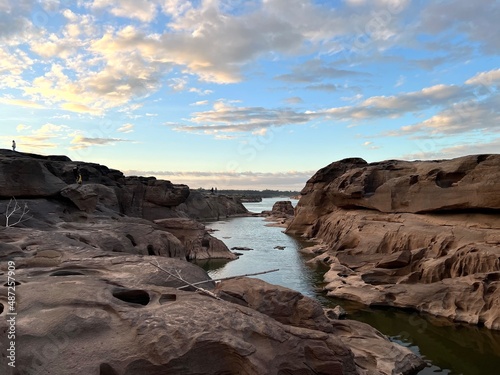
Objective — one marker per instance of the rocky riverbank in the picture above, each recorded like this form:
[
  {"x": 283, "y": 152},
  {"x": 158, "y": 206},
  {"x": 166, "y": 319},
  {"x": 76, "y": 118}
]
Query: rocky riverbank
[
  {"x": 280, "y": 215},
  {"x": 97, "y": 269},
  {"x": 422, "y": 235}
]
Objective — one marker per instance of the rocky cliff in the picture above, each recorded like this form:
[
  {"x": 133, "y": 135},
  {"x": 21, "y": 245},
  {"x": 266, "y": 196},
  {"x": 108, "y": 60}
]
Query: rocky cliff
[
  {"x": 423, "y": 235},
  {"x": 31, "y": 176},
  {"x": 105, "y": 203},
  {"x": 98, "y": 289}
]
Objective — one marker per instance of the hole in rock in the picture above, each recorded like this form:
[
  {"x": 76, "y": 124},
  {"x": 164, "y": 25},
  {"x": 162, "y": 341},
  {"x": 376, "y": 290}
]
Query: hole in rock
[
  {"x": 138, "y": 297},
  {"x": 106, "y": 369},
  {"x": 132, "y": 240},
  {"x": 1, "y": 308},
  {"x": 151, "y": 250},
  {"x": 446, "y": 180},
  {"x": 494, "y": 276},
  {"x": 481, "y": 158},
  {"x": 67, "y": 273},
  {"x": 16, "y": 283},
  {"x": 165, "y": 298}
]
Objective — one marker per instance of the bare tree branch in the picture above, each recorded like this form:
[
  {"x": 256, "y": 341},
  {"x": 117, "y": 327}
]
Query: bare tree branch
[
  {"x": 178, "y": 277},
  {"x": 13, "y": 209},
  {"x": 229, "y": 277}
]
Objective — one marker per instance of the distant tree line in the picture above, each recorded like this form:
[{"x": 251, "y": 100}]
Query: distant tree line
[{"x": 255, "y": 193}]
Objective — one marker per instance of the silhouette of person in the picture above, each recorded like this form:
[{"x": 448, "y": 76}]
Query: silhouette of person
[
  {"x": 212, "y": 191},
  {"x": 13, "y": 145},
  {"x": 77, "y": 175}
]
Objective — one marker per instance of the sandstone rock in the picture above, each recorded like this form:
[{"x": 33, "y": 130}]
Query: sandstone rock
[
  {"x": 36, "y": 176},
  {"x": 374, "y": 355},
  {"x": 469, "y": 182},
  {"x": 241, "y": 248},
  {"x": 211, "y": 207},
  {"x": 280, "y": 215},
  {"x": 435, "y": 262},
  {"x": 83, "y": 196},
  {"x": 336, "y": 313},
  {"x": 285, "y": 305},
  {"x": 107, "y": 237},
  {"x": 92, "y": 299},
  {"x": 23, "y": 176},
  {"x": 198, "y": 242},
  {"x": 151, "y": 198},
  {"x": 126, "y": 317},
  {"x": 283, "y": 208}
]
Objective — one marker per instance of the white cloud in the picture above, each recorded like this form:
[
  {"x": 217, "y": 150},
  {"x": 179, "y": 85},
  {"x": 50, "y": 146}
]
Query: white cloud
[
  {"x": 199, "y": 103},
  {"x": 22, "y": 127},
  {"x": 126, "y": 128},
  {"x": 477, "y": 20},
  {"x": 227, "y": 118},
  {"x": 21, "y": 103},
  {"x": 79, "y": 142},
  {"x": 143, "y": 10},
  {"x": 488, "y": 79},
  {"x": 40, "y": 139},
  {"x": 397, "y": 105}
]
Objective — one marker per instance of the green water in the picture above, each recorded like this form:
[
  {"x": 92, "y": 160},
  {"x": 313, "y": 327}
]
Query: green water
[{"x": 449, "y": 348}]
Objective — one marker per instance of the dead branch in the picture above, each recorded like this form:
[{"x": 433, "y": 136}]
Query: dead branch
[
  {"x": 178, "y": 277},
  {"x": 229, "y": 277},
  {"x": 14, "y": 208}
]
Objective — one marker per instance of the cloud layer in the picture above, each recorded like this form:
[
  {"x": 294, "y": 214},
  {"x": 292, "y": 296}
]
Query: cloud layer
[{"x": 374, "y": 75}]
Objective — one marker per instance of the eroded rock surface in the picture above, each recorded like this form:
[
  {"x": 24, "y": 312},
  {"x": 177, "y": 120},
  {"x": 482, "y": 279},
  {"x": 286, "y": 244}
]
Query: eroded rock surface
[
  {"x": 125, "y": 316},
  {"x": 198, "y": 242},
  {"x": 422, "y": 235}
]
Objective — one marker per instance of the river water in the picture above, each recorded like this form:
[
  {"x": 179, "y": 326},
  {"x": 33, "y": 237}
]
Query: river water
[{"x": 448, "y": 348}]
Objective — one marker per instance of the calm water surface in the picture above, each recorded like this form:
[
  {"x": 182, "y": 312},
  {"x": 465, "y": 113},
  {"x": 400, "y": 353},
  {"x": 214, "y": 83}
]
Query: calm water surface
[{"x": 451, "y": 349}]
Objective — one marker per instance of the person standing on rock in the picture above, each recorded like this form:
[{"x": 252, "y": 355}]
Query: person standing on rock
[
  {"x": 78, "y": 175},
  {"x": 13, "y": 145}
]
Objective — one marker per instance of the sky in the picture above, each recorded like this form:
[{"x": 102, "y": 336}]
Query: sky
[{"x": 242, "y": 94}]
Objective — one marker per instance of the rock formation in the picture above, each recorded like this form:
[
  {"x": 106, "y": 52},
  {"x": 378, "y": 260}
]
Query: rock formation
[
  {"x": 281, "y": 213},
  {"x": 115, "y": 314},
  {"x": 105, "y": 203},
  {"x": 96, "y": 285},
  {"x": 36, "y": 176},
  {"x": 195, "y": 238},
  {"x": 423, "y": 235}
]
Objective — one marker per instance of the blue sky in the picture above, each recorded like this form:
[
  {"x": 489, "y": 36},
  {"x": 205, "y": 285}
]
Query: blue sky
[{"x": 249, "y": 94}]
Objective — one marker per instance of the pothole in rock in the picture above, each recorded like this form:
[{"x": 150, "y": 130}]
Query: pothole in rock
[
  {"x": 133, "y": 296},
  {"x": 166, "y": 298},
  {"x": 105, "y": 369},
  {"x": 66, "y": 273}
]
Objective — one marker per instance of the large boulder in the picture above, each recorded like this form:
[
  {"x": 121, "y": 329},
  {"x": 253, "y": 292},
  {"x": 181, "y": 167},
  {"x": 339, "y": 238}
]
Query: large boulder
[
  {"x": 150, "y": 198},
  {"x": 201, "y": 206},
  {"x": 194, "y": 236},
  {"x": 373, "y": 356},
  {"x": 26, "y": 177}
]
